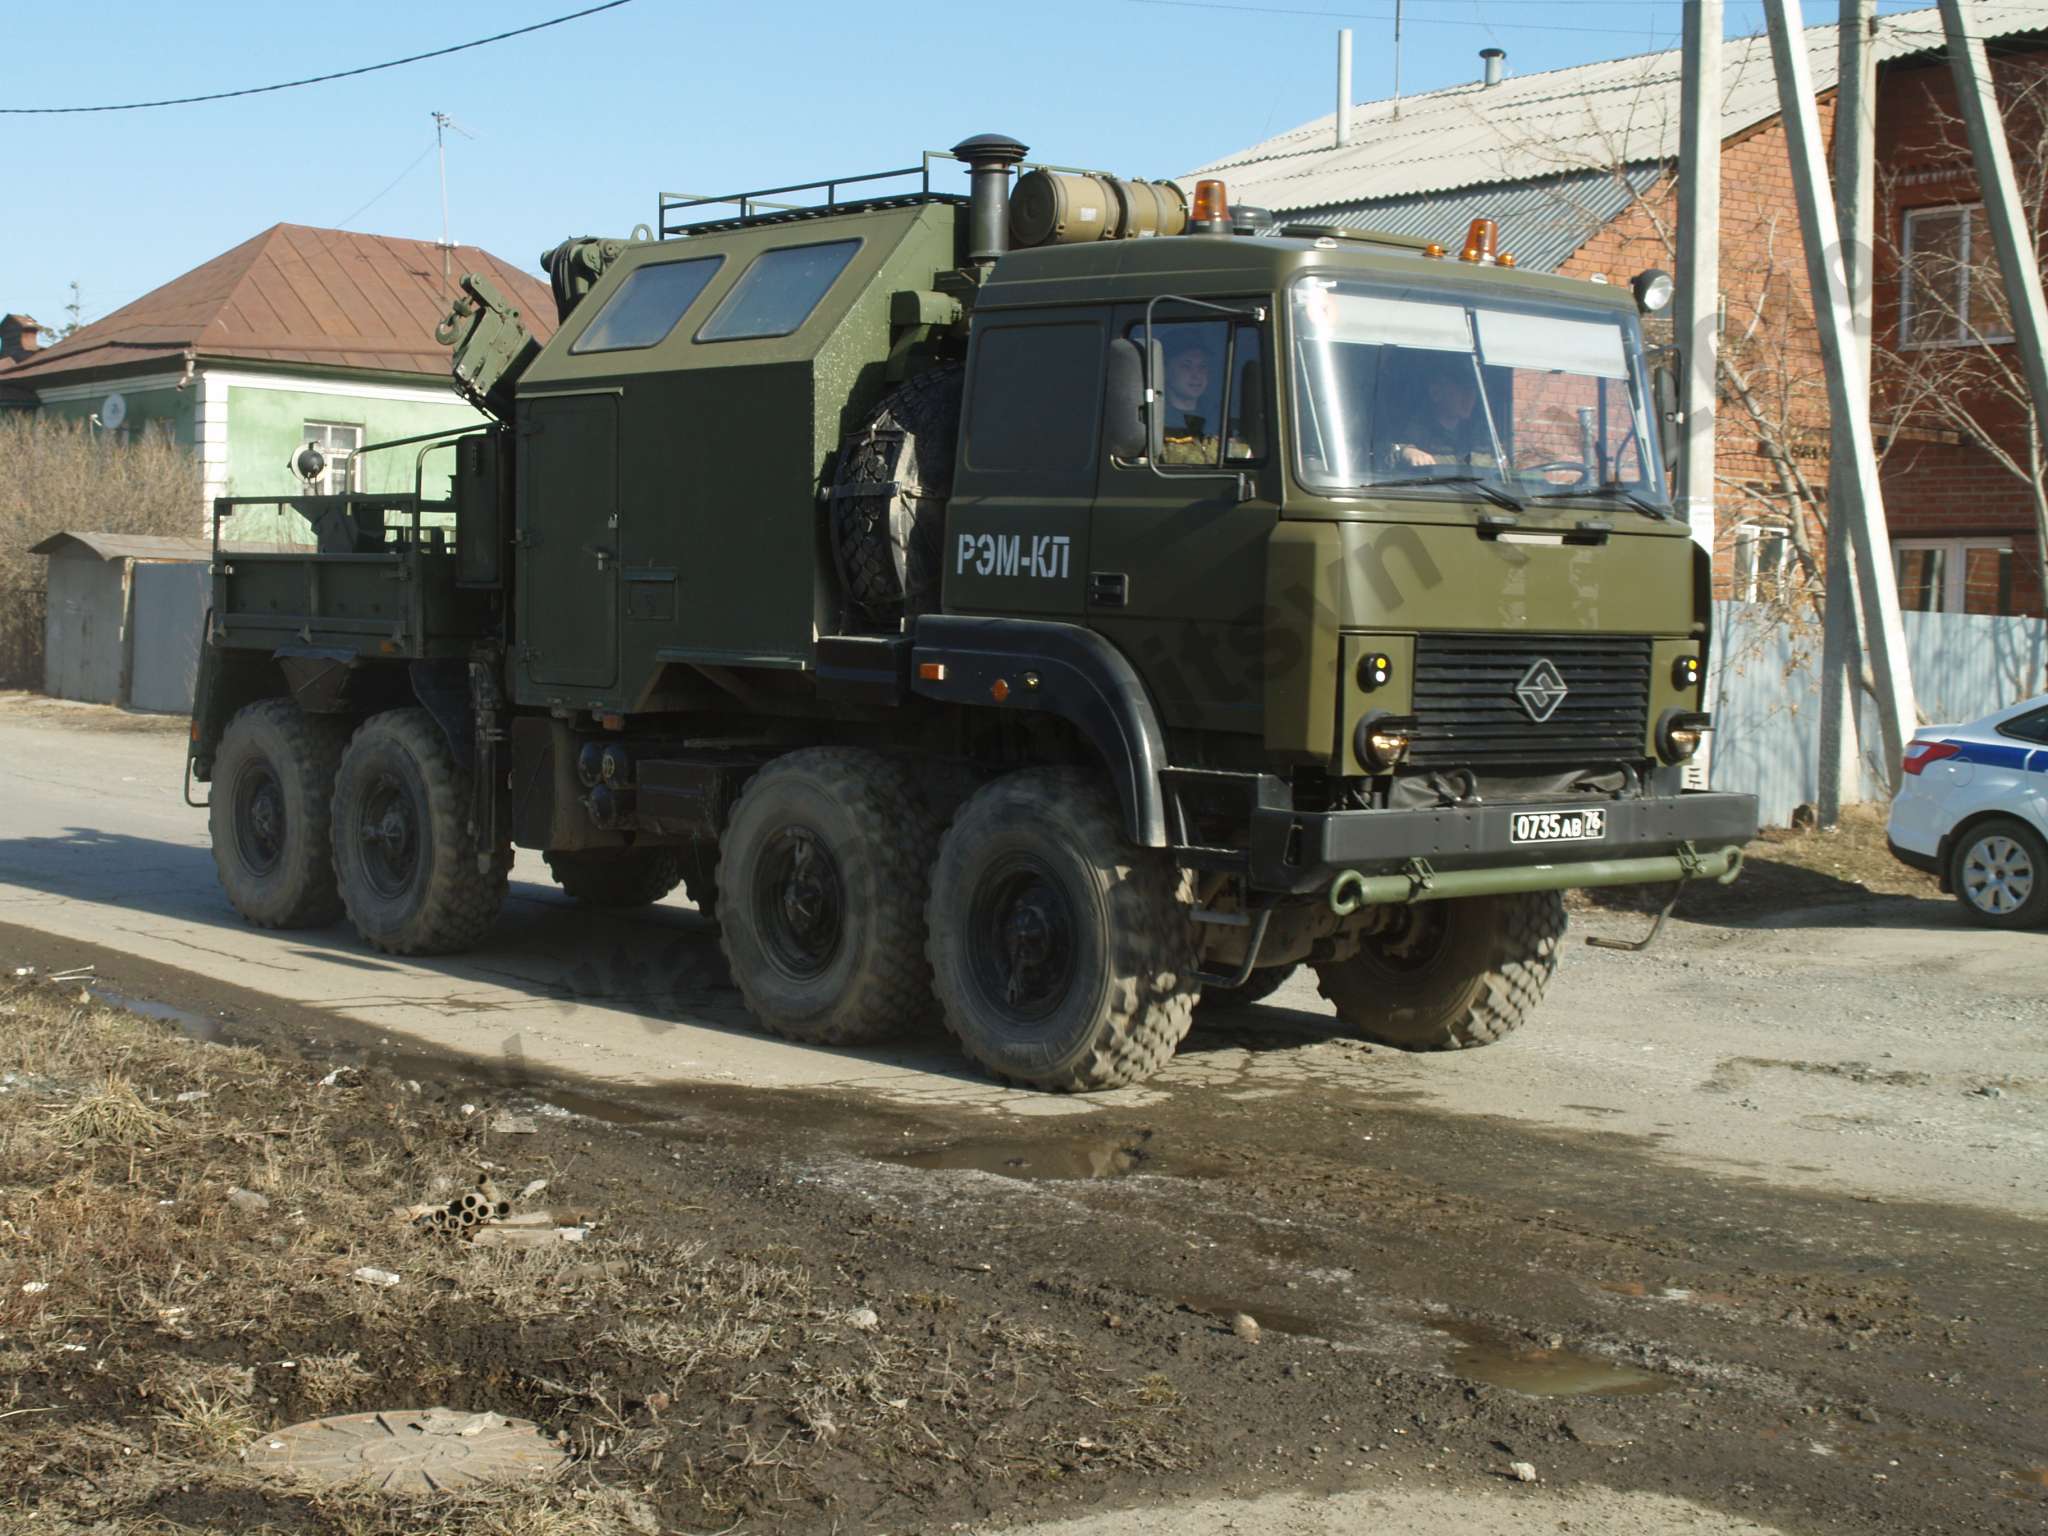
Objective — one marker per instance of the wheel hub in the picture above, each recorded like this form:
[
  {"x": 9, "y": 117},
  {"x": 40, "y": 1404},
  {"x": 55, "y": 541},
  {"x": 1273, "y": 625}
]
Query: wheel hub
[
  {"x": 1998, "y": 876},
  {"x": 390, "y": 835},
  {"x": 800, "y": 902},
  {"x": 1024, "y": 952},
  {"x": 260, "y": 818}
]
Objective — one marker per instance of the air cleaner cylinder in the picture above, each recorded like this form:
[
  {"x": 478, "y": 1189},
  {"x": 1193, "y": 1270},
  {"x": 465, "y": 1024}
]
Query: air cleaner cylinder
[{"x": 1074, "y": 208}]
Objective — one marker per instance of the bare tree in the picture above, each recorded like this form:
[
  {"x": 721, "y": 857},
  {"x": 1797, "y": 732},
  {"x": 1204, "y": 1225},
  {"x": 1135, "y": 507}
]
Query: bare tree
[{"x": 1947, "y": 367}]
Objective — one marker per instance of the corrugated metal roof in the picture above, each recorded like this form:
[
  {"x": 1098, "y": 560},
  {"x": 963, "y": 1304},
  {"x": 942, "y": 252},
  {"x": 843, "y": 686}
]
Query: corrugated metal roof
[
  {"x": 125, "y": 546},
  {"x": 1541, "y": 222},
  {"x": 296, "y": 295},
  {"x": 1530, "y": 128}
]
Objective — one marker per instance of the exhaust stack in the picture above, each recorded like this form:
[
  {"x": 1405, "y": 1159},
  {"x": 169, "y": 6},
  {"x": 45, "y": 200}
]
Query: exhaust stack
[
  {"x": 990, "y": 158},
  {"x": 1492, "y": 60},
  {"x": 1343, "y": 87}
]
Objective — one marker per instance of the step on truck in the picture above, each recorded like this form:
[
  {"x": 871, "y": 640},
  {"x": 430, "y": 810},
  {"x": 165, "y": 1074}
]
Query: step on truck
[{"x": 1051, "y": 610}]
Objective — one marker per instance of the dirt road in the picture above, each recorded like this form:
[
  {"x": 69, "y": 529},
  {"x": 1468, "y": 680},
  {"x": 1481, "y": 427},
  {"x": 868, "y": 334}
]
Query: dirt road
[{"x": 1742, "y": 1233}]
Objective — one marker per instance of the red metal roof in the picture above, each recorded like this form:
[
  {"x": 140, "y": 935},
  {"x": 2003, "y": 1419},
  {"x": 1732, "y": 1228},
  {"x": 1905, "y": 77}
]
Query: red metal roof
[{"x": 326, "y": 297}]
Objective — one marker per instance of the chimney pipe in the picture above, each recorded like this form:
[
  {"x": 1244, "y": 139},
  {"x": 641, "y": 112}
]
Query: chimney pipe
[
  {"x": 990, "y": 158},
  {"x": 1493, "y": 59},
  {"x": 1343, "y": 87},
  {"x": 19, "y": 336}
]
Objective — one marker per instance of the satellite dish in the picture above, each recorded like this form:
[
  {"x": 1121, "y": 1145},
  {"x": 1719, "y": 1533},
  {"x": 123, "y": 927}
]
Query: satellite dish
[{"x": 113, "y": 411}]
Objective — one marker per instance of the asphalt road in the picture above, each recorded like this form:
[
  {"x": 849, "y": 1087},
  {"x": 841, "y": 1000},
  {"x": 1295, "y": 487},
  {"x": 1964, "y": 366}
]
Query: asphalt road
[{"x": 1888, "y": 1048}]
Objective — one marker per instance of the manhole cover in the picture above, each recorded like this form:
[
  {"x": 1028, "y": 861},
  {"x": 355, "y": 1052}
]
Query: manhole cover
[{"x": 423, "y": 1451}]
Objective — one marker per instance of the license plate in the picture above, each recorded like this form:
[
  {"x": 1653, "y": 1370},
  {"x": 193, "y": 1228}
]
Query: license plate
[{"x": 1558, "y": 827}]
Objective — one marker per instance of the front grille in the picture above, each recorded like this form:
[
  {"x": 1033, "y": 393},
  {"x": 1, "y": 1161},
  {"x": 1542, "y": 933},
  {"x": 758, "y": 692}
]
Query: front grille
[{"x": 1467, "y": 712}]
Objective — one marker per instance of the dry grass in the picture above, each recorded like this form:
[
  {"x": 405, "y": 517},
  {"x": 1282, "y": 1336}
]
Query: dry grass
[
  {"x": 145, "y": 1320},
  {"x": 58, "y": 475}
]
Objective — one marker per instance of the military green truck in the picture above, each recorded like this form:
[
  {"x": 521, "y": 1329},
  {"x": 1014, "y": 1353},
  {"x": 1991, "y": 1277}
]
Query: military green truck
[{"x": 1042, "y": 609}]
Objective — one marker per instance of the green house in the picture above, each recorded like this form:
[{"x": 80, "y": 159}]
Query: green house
[{"x": 298, "y": 335}]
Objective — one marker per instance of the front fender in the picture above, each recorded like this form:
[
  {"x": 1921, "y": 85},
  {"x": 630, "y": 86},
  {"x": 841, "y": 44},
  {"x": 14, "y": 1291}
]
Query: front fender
[{"x": 1081, "y": 678}]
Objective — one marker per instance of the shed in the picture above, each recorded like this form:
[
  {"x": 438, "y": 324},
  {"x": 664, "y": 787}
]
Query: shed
[{"x": 124, "y": 618}]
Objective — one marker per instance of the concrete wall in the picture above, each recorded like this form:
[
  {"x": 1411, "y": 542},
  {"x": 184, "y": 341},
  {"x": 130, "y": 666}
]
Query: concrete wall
[
  {"x": 85, "y": 646},
  {"x": 1767, "y": 699}
]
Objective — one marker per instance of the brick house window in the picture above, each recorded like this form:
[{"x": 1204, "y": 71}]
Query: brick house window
[
  {"x": 1950, "y": 293},
  {"x": 1763, "y": 557},
  {"x": 339, "y": 443},
  {"x": 1954, "y": 575}
]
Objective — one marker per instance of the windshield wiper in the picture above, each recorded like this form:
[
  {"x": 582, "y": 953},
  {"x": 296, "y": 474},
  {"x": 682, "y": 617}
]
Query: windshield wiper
[
  {"x": 1617, "y": 490},
  {"x": 1480, "y": 483}
]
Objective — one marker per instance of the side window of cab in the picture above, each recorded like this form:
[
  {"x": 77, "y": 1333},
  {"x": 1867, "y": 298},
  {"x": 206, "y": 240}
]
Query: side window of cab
[{"x": 1210, "y": 392}]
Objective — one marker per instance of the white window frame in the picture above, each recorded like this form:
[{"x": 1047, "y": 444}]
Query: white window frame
[
  {"x": 1747, "y": 575},
  {"x": 322, "y": 433},
  {"x": 1966, "y": 265},
  {"x": 1955, "y": 569}
]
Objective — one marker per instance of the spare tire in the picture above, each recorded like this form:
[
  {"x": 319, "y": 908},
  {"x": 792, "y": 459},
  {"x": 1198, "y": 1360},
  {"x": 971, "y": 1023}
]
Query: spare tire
[{"x": 889, "y": 497}]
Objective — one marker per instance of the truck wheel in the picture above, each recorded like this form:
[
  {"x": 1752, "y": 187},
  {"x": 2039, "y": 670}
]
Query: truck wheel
[
  {"x": 1449, "y": 974},
  {"x": 821, "y": 885},
  {"x": 617, "y": 877},
  {"x": 889, "y": 502},
  {"x": 1063, "y": 957},
  {"x": 1258, "y": 986},
  {"x": 1999, "y": 871},
  {"x": 403, "y": 853},
  {"x": 273, "y": 779}
]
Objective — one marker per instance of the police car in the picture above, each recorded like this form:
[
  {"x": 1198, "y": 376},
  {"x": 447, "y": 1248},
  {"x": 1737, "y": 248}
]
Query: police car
[{"x": 1973, "y": 809}]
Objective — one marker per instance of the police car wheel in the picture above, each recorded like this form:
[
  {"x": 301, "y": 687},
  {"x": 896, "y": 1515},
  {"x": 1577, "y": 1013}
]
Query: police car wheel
[{"x": 1999, "y": 872}]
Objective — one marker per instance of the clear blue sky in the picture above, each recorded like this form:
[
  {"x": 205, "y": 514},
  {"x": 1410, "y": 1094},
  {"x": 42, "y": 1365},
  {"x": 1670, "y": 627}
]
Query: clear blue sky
[{"x": 577, "y": 128}]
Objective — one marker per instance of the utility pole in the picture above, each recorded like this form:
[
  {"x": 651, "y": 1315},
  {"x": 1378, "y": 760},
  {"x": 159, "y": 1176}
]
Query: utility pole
[
  {"x": 1848, "y": 381},
  {"x": 1697, "y": 320},
  {"x": 1397, "y": 58},
  {"x": 1841, "y": 661}
]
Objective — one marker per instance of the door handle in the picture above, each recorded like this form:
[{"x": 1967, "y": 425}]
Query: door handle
[{"x": 600, "y": 553}]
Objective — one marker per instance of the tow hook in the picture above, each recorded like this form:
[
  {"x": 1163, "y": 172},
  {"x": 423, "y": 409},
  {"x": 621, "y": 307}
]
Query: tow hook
[{"x": 1689, "y": 865}]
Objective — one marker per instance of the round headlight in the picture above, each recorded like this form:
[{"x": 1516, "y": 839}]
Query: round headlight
[
  {"x": 1381, "y": 740},
  {"x": 1653, "y": 290},
  {"x": 1679, "y": 733}
]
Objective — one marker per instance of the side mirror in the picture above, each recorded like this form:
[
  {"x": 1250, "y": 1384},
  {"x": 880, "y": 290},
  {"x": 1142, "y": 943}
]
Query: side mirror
[
  {"x": 1664, "y": 385},
  {"x": 1123, "y": 406}
]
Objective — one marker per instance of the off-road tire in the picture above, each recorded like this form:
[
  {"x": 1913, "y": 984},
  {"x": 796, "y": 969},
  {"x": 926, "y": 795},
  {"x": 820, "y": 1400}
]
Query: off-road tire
[
  {"x": 822, "y": 871},
  {"x": 617, "y": 878},
  {"x": 427, "y": 896},
  {"x": 886, "y": 542},
  {"x": 1481, "y": 974},
  {"x": 1049, "y": 843},
  {"x": 1258, "y": 986},
  {"x": 2001, "y": 847},
  {"x": 280, "y": 875}
]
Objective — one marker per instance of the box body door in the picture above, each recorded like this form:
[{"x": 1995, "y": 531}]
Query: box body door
[{"x": 568, "y": 567}]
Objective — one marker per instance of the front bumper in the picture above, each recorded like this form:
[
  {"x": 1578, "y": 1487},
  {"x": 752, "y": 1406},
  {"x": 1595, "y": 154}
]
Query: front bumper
[{"x": 1300, "y": 853}]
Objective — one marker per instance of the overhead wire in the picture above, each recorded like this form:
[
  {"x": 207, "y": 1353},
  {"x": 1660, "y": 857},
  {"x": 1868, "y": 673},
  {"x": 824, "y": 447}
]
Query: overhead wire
[
  {"x": 373, "y": 202},
  {"x": 339, "y": 74}
]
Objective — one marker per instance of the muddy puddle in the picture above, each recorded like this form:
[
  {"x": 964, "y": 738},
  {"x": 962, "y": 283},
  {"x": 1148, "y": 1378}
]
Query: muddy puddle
[
  {"x": 194, "y": 1026},
  {"x": 1482, "y": 1354},
  {"x": 1059, "y": 1158}
]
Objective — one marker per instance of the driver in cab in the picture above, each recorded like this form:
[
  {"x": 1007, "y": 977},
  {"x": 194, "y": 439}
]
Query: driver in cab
[
  {"x": 1435, "y": 413},
  {"x": 1190, "y": 428}
]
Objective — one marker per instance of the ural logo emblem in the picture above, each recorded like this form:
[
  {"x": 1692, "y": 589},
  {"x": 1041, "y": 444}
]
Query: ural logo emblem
[{"x": 1541, "y": 690}]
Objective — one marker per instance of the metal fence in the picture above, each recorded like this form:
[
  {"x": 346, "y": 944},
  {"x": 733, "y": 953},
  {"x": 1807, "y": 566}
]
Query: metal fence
[{"x": 1767, "y": 693}]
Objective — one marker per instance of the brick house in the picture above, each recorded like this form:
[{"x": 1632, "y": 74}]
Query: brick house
[{"x": 1578, "y": 166}]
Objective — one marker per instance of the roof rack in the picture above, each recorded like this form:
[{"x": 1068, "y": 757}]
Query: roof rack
[{"x": 761, "y": 207}]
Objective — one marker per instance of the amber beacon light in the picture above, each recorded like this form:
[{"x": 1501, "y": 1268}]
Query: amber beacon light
[{"x": 1212, "y": 204}]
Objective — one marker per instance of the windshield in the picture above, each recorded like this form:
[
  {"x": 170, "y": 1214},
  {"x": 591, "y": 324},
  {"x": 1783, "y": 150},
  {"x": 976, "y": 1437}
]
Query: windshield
[{"x": 1398, "y": 387}]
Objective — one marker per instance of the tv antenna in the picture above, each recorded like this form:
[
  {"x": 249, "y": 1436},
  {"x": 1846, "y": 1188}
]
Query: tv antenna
[{"x": 442, "y": 123}]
